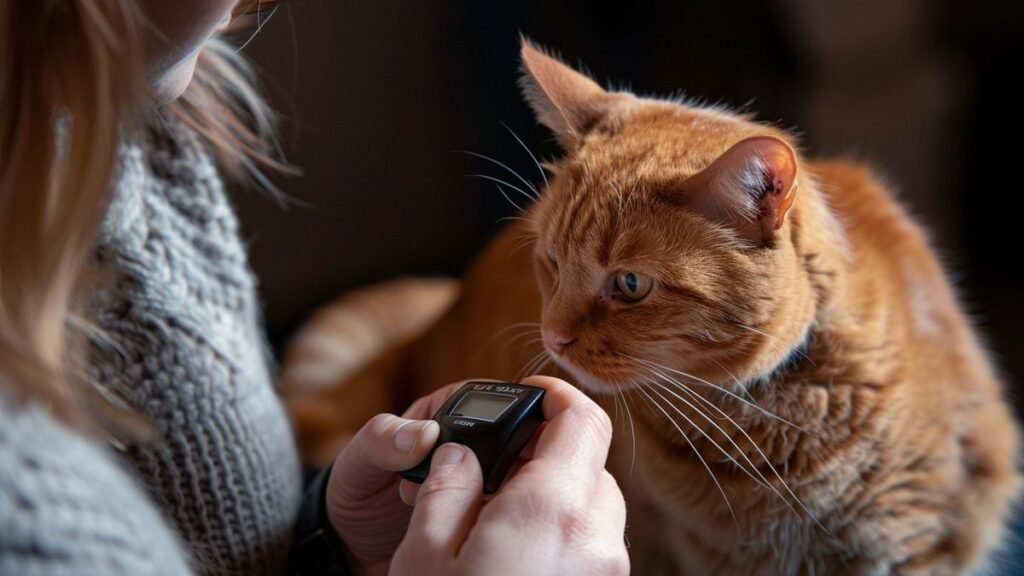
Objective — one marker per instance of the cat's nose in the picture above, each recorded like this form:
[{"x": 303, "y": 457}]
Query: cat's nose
[{"x": 557, "y": 341}]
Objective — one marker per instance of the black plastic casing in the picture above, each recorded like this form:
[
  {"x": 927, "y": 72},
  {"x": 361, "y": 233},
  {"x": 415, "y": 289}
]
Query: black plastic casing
[{"x": 496, "y": 444}]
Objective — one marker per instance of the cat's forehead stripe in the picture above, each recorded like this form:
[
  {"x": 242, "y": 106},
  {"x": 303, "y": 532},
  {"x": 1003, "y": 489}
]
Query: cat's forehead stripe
[
  {"x": 584, "y": 224},
  {"x": 590, "y": 215},
  {"x": 573, "y": 202}
]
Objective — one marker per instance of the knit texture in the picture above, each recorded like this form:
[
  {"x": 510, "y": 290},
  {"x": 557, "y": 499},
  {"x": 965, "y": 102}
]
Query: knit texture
[
  {"x": 67, "y": 508},
  {"x": 183, "y": 346}
]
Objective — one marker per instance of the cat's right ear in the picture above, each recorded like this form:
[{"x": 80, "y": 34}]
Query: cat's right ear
[{"x": 567, "y": 102}]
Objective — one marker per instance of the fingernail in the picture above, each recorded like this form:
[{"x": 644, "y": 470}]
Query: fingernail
[
  {"x": 447, "y": 455},
  {"x": 408, "y": 433}
]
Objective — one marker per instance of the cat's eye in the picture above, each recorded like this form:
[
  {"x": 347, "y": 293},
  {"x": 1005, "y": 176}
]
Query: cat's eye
[{"x": 632, "y": 286}]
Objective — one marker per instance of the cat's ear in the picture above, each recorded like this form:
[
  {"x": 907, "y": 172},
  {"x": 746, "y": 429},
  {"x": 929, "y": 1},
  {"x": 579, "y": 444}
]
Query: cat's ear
[
  {"x": 564, "y": 100},
  {"x": 750, "y": 187}
]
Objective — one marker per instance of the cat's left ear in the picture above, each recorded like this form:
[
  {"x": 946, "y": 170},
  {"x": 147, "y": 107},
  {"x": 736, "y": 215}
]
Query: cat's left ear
[
  {"x": 750, "y": 187},
  {"x": 567, "y": 102}
]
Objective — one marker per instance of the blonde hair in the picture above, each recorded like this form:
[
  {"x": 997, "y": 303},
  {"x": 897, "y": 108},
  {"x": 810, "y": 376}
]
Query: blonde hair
[{"x": 72, "y": 88}]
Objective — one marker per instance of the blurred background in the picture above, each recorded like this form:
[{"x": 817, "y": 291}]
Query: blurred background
[{"x": 379, "y": 97}]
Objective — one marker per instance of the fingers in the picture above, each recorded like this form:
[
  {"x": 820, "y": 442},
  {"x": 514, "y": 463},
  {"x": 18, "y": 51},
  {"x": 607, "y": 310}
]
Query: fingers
[
  {"x": 423, "y": 408},
  {"x": 559, "y": 394},
  {"x": 572, "y": 445},
  {"x": 561, "y": 512},
  {"x": 557, "y": 489},
  {"x": 447, "y": 505},
  {"x": 407, "y": 491},
  {"x": 609, "y": 509},
  {"x": 608, "y": 517},
  {"x": 385, "y": 445},
  {"x": 578, "y": 433},
  {"x": 543, "y": 529}
]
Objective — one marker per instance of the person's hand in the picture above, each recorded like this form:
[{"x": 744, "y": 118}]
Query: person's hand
[
  {"x": 362, "y": 492},
  {"x": 560, "y": 513}
]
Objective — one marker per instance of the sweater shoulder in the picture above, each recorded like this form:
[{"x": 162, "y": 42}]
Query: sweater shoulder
[{"x": 67, "y": 507}]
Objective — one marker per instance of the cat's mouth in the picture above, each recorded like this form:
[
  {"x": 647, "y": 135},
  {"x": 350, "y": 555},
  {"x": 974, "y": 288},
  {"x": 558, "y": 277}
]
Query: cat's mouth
[{"x": 588, "y": 381}]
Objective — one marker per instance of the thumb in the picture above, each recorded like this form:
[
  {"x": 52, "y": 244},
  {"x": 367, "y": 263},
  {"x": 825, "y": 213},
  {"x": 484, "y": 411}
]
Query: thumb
[
  {"x": 446, "y": 509},
  {"x": 385, "y": 445}
]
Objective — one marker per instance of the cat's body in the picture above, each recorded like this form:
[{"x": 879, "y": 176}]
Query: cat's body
[{"x": 795, "y": 389}]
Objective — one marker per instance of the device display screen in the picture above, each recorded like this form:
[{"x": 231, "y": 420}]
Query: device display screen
[
  {"x": 483, "y": 405},
  {"x": 493, "y": 419}
]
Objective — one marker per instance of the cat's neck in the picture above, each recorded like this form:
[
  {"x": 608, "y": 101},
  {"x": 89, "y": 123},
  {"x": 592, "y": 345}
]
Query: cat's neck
[{"x": 796, "y": 359}]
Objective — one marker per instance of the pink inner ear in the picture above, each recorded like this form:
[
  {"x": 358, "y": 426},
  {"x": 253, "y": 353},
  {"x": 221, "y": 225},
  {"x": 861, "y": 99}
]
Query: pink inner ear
[
  {"x": 750, "y": 187},
  {"x": 780, "y": 163}
]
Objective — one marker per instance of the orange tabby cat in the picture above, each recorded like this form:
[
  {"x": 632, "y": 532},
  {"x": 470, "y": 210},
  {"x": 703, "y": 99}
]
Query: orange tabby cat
[{"x": 795, "y": 389}]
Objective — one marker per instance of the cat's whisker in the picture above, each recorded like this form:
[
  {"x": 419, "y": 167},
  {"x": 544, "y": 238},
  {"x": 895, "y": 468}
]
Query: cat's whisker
[
  {"x": 528, "y": 151},
  {"x": 762, "y": 481},
  {"x": 760, "y": 452},
  {"x": 518, "y": 247},
  {"x": 543, "y": 365},
  {"x": 523, "y": 243},
  {"x": 711, "y": 473},
  {"x": 526, "y": 182},
  {"x": 535, "y": 364},
  {"x": 510, "y": 201},
  {"x": 726, "y": 391},
  {"x": 523, "y": 332},
  {"x": 545, "y": 359},
  {"x": 261, "y": 21},
  {"x": 742, "y": 431},
  {"x": 503, "y": 183},
  {"x": 527, "y": 327},
  {"x": 536, "y": 339},
  {"x": 526, "y": 367},
  {"x": 615, "y": 417},
  {"x": 776, "y": 339},
  {"x": 521, "y": 218},
  {"x": 632, "y": 431},
  {"x": 717, "y": 387},
  {"x": 513, "y": 326},
  {"x": 669, "y": 378},
  {"x": 529, "y": 367},
  {"x": 602, "y": 401},
  {"x": 739, "y": 385}
]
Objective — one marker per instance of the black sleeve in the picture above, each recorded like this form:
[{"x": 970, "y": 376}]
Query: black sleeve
[{"x": 317, "y": 549}]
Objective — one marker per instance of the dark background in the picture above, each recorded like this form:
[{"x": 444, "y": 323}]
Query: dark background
[{"x": 378, "y": 97}]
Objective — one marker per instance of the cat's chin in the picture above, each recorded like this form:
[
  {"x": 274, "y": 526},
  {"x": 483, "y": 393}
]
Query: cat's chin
[{"x": 588, "y": 382}]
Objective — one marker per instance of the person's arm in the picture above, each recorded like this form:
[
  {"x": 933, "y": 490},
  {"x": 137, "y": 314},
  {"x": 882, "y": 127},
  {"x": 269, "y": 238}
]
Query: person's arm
[{"x": 66, "y": 507}]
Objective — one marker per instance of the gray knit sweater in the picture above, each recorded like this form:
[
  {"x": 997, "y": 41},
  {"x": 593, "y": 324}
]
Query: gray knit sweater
[{"x": 217, "y": 494}]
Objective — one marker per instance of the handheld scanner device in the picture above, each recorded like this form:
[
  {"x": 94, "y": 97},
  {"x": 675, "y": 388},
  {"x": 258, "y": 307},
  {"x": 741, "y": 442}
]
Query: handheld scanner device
[{"x": 494, "y": 419}]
